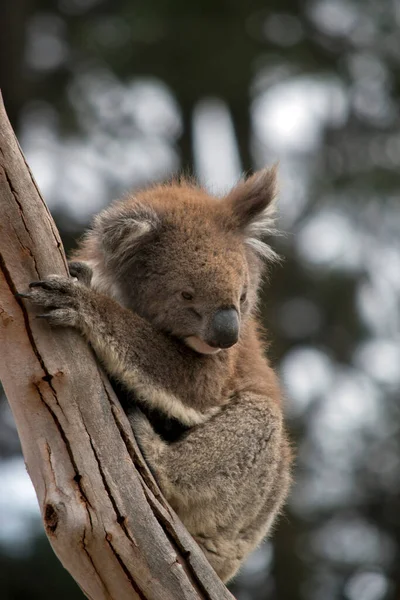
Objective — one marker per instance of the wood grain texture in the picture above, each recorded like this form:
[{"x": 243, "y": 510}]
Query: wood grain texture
[{"x": 102, "y": 510}]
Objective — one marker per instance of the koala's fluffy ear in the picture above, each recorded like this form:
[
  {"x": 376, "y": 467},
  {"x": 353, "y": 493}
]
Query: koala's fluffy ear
[
  {"x": 123, "y": 228},
  {"x": 252, "y": 204}
]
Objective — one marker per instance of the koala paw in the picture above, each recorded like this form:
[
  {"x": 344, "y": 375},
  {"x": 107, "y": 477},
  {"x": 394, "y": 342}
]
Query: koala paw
[
  {"x": 61, "y": 296},
  {"x": 81, "y": 271}
]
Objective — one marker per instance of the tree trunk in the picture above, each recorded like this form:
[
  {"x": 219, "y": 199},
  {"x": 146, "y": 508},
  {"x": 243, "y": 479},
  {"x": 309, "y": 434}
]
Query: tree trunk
[{"x": 102, "y": 510}]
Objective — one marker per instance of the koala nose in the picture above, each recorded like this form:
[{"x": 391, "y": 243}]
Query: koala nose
[{"x": 224, "y": 328}]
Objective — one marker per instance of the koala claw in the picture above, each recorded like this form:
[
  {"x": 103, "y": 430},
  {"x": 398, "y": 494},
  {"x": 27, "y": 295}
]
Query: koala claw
[
  {"x": 52, "y": 282},
  {"x": 46, "y": 285},
  {"x": 66, "y": 317},
  {"x": 81, "y": 271}
]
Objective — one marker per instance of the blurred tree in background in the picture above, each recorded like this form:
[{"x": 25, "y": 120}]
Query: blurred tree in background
[{"x": 109, "y": 95}]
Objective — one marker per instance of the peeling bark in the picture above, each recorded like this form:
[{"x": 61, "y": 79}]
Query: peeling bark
[{"x": 102, "y": 510}]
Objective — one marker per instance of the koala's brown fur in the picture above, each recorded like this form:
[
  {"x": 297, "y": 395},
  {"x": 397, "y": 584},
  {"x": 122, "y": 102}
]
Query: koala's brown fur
[{"x": 174, "y": 278}]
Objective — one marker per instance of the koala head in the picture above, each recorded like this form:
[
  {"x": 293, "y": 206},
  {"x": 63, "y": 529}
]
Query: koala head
[{"x": 187, "y": 262}]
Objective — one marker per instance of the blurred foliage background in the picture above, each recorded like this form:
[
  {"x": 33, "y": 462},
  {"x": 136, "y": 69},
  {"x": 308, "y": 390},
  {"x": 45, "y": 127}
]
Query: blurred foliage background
[{"x": 108, "y": 95}]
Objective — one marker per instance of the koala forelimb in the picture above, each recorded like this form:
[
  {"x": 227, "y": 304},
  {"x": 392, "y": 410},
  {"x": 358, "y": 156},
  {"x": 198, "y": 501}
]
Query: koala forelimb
[{"x": 164, "y": 288}]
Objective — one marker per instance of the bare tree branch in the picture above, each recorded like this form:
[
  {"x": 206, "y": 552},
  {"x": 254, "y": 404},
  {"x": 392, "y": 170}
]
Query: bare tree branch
[{"x": 102, "y": 510}]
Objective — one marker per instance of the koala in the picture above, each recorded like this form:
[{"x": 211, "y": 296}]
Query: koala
[{"x": 164, "y": 288}]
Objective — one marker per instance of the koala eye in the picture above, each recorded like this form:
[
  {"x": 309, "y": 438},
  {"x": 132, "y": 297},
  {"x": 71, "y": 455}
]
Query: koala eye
[
  {"x": 243, "y": 297},
  {"x": 187, "y": 295}
]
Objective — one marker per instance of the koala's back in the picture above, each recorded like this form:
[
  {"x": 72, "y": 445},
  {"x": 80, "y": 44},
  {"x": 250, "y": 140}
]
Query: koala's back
[{"x": 230, "y": 508}]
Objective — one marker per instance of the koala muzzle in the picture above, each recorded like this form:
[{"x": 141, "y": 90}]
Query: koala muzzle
[{"x": 224, "y": 328}]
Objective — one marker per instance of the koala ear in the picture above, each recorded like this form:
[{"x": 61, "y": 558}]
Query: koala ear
[
  {"x": 252, "y": 202},
  {"x": 123, "y": 227}
]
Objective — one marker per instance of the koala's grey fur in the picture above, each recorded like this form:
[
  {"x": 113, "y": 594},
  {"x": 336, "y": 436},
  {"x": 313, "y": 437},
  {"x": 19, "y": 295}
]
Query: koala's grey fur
[{"x": 150, "y": 276}]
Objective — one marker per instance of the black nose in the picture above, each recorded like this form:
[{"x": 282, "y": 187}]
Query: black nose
[{"x": 224, "y": 328}]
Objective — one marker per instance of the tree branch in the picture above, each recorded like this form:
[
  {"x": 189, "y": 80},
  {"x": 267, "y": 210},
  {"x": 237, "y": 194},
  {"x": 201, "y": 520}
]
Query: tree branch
[{"x": 102, "y": 510}]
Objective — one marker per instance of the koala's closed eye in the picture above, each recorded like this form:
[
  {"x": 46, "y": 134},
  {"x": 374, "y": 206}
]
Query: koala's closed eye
[{"x": 187, "y": 295}]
